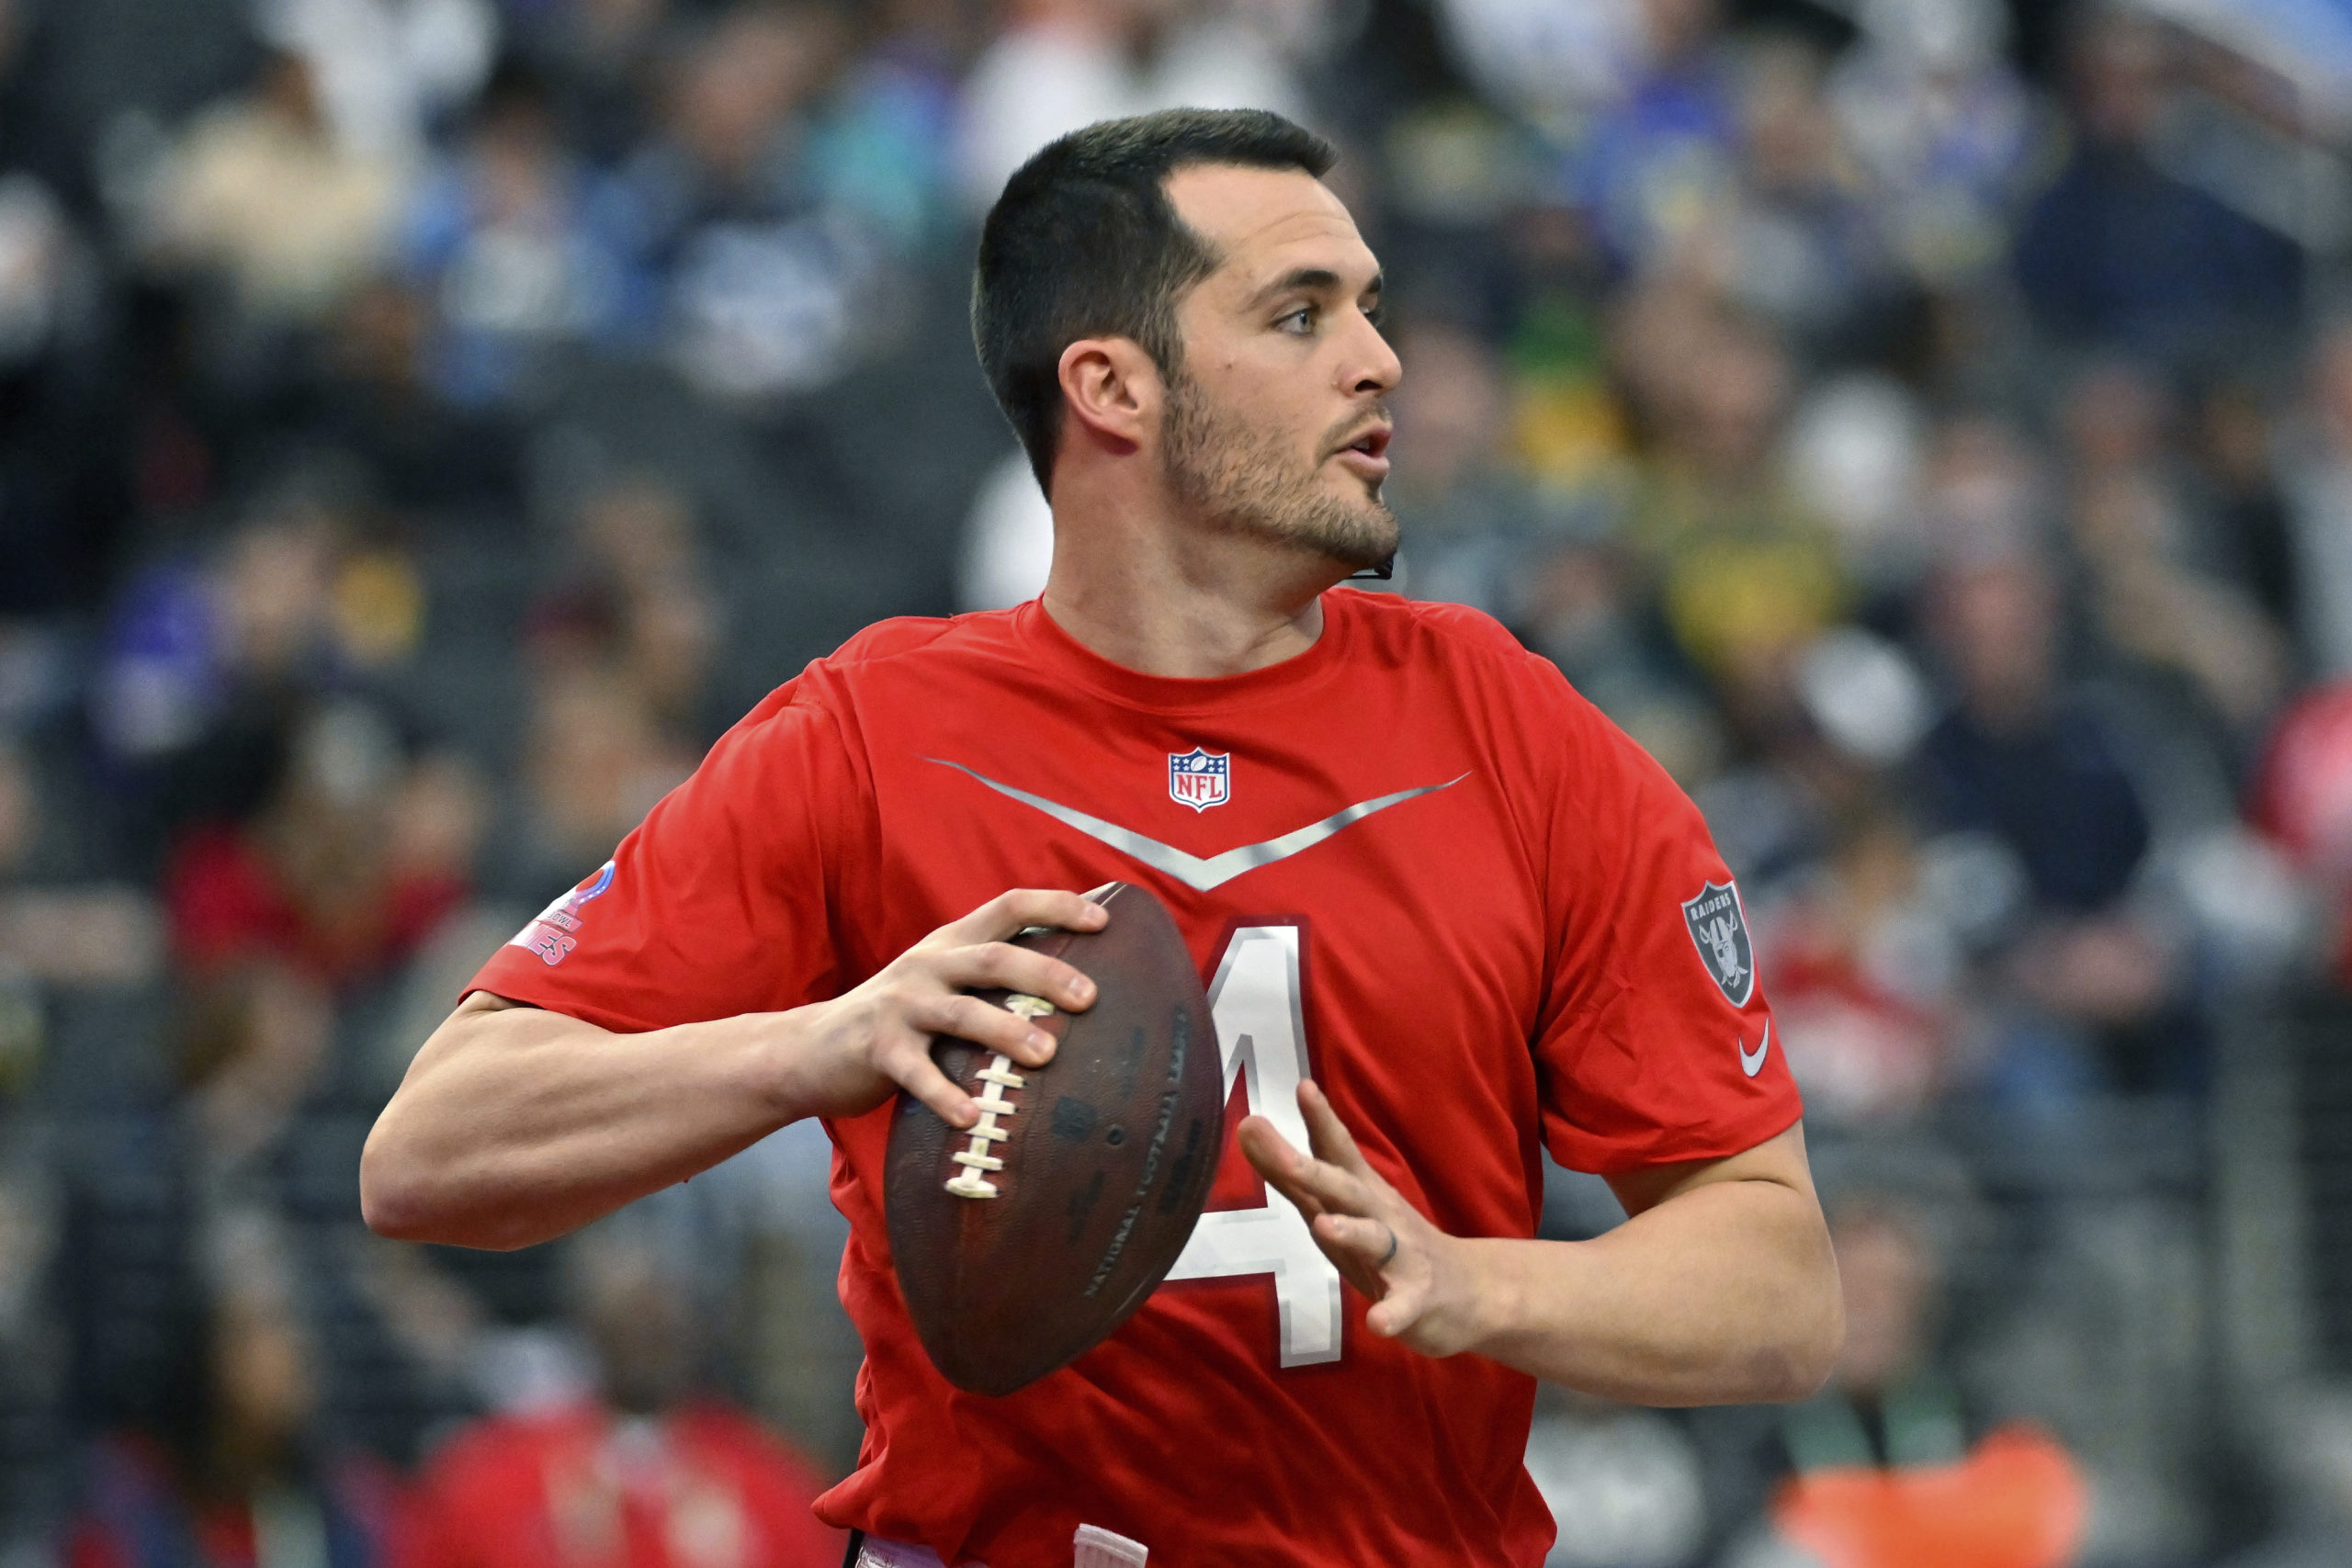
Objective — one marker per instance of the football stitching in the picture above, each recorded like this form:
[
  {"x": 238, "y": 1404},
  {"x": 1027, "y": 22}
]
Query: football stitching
[{"x": 972, "y": 1181}]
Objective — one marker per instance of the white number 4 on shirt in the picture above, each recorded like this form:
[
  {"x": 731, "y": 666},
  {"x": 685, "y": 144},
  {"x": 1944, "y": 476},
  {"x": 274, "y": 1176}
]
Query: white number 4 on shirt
[{"x": 1260, "y": 1026}]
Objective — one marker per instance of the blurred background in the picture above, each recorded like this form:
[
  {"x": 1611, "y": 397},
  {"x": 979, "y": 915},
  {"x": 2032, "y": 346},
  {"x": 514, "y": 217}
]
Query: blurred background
[{"x": 1925, "y": 424}]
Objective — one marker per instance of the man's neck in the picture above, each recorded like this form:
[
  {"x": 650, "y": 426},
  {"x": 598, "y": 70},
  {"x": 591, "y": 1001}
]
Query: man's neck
[{"x": 1153, "y": 593}]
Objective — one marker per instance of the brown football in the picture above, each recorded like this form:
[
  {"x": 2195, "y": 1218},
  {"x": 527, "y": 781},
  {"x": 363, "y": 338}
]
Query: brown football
[{"x": 1024, "y": 1242}]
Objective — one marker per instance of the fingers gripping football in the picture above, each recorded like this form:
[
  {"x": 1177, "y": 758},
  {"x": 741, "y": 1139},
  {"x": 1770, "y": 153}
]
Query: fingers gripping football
[
  {"x": 1009, "y": 913},
  {"x": 1409, "y": 1269},
  {"x": 878, "y": 1035}
]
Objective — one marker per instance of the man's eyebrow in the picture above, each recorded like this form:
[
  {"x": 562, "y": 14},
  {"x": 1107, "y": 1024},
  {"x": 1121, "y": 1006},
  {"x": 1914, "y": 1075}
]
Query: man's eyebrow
[{"x": 1310, "y": 280}]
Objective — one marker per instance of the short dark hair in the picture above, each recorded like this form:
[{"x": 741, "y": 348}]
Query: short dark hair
[{"x": 1084, "y": 243}]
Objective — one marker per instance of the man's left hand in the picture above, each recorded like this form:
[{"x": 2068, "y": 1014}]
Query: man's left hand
[{"x": 1419, "y": 1277}]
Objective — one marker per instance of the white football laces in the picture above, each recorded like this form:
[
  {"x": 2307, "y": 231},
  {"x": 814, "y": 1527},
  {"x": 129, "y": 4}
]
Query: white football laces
[{"x": 972, "y": 1180}]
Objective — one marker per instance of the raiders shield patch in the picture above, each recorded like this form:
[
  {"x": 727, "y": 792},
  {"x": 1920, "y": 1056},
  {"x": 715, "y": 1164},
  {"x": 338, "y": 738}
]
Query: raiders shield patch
[{"x": 1720, "y": 931}]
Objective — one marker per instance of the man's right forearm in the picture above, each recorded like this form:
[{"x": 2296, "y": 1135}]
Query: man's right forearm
[{"x": 516, "y": 1125}]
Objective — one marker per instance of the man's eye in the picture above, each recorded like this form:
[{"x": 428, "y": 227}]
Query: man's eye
[
  {"x": 1377, "y": 315},
  {"x": 1299, "y": 322}
]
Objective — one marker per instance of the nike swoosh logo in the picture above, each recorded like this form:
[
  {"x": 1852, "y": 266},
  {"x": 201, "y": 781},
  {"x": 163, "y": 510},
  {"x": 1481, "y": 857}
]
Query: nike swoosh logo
[
  {"x": 1754, "y": 1065},
  {"x": 1199, "y": 874}
]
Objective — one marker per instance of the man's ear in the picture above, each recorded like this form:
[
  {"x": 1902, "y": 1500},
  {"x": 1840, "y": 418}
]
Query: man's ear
[{"x": 1113, "y": 390}]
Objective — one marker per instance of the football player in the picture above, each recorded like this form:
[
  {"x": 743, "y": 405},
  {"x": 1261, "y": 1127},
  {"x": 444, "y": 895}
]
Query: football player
[{"x": 1449, "y": 915}]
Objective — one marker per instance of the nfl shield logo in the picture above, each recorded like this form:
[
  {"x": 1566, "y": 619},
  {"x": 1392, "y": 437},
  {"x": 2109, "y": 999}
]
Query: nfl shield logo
[
  {"x": 1200, "y": 779},
  {"x": 1720, "y": 931}
]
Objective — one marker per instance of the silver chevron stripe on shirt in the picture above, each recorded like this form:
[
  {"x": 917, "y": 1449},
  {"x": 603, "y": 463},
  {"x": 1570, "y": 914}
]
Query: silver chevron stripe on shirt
[{"x": 1191, "y": 870}]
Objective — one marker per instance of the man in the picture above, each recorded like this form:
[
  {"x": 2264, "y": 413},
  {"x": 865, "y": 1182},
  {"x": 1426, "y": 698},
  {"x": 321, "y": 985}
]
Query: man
[{"x": 1423, "y": 875}]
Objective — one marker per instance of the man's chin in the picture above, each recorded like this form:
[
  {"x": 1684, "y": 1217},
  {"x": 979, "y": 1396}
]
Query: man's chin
[
  {"x": 1349, "y": 528},
  {"x": 1361, "y": 548},
  {"x": 1371, "y": 534}
]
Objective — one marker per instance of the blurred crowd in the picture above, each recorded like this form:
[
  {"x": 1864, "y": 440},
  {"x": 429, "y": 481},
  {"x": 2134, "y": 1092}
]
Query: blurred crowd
[{"x": 1925, "y": 424}]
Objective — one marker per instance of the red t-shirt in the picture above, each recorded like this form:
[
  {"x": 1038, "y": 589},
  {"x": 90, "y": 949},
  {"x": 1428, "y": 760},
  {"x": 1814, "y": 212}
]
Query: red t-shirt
[{"x": 1410, "y": 861}]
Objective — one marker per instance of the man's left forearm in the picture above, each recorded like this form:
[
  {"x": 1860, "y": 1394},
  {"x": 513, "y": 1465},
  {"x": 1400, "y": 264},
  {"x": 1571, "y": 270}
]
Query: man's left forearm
[
  {"x": 1723, "y": 1293},
  {"x": 1720, "y": 1289}
]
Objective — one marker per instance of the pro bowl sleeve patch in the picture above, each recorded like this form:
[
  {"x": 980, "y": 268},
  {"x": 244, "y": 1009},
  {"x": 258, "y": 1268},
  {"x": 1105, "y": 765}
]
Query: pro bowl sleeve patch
[
  {"x": 1719, "y": 930},
  {"x": 554, "y": 931}
]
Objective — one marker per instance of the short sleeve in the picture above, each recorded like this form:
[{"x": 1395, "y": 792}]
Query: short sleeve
[
  {"x": 719, "y": 902},
  {"x": 1654, "y": 1043}
]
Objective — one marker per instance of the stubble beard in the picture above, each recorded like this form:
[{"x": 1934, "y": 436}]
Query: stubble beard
[{"x": 1247, "y": 480}]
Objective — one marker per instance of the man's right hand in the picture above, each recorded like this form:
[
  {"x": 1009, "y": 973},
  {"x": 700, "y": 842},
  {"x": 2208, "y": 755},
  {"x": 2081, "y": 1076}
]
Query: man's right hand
[{"x": 853, "y": 1052}]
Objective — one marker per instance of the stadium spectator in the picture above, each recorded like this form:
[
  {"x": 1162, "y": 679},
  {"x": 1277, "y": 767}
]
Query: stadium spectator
[
  {"x": 1625, "y": 1485},
  {"x": 229, "y": 1471},
  {"x": 2239, "y": 489},
  {"x": 2029, "y": 765},
  {"x": 297, "y": 823},
  {"x": 1868, "y": 974},
  {"x": 596, "y": 757},
  {"x": 2318, "y": 490},
  {"x": 651, "y": 1475},
  {"x": 59, "y": 925},
  {"x": 596, "y": 58},
  {"x": 385, "y": 70},
  {"x": 2017, "y": 755},
  {"x": 523, "y": 248},
  {"x": 1551, "y": 61},
  {"x": 1890, "y": 1468},
  {"x": 618, "y": 650},
  {"x": 1802, "y": 244},
  {"x": 2315, "y": 1442},
  {"x": 1658, "y": 161},
  {"x": 1063, "y": 64},
  {"x": 2153, "y": 568},
  {"x": 1743, "y": 576},
  {"x": 253, "y": 1039},
  {"x": 1503, "y": 482},
  {"x": 263, "y": 193},
  {"x": 887, "y": 138},
  {"x": 638, "y": 543},
  {"x": 1459, "y": 485},
  {"x": 2303, "y": 799},
  {"x": 378, "y": 401},
  {"x": 775, "y": 259},
  {"x": 59, "y": 509},
  {"x": 1890, "y": 1404},
  {"x": 355, "y": 858},
  {"x": 1856, "y": 454},
  {"x": 2115, "y": 251},
  {"x": 1937, "y": 116}
]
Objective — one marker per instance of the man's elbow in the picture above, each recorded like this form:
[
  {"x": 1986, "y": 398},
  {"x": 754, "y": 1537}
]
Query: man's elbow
[
  {"x": 1814, "y": 1360},
  {"x": 393, "y": 1202},
  {"x": 1795, "y": 1366},
  {"x": 406, "y": 1193},
  {"x": 406, "y": 1190}
]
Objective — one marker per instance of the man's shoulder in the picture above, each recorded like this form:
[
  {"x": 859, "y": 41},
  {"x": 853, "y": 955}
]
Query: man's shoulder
[
  {"x": 921, "y": 641},
  {"x": 903, "y": 635},
  {"x": 1517, "y": 696},
  {"x": 1428, "y": 629},
  {"x": 884, "y": 648}
]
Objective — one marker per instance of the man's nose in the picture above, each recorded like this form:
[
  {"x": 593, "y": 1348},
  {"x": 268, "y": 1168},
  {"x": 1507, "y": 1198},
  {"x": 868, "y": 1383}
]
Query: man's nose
[{"x": 1374, "y": 369}]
